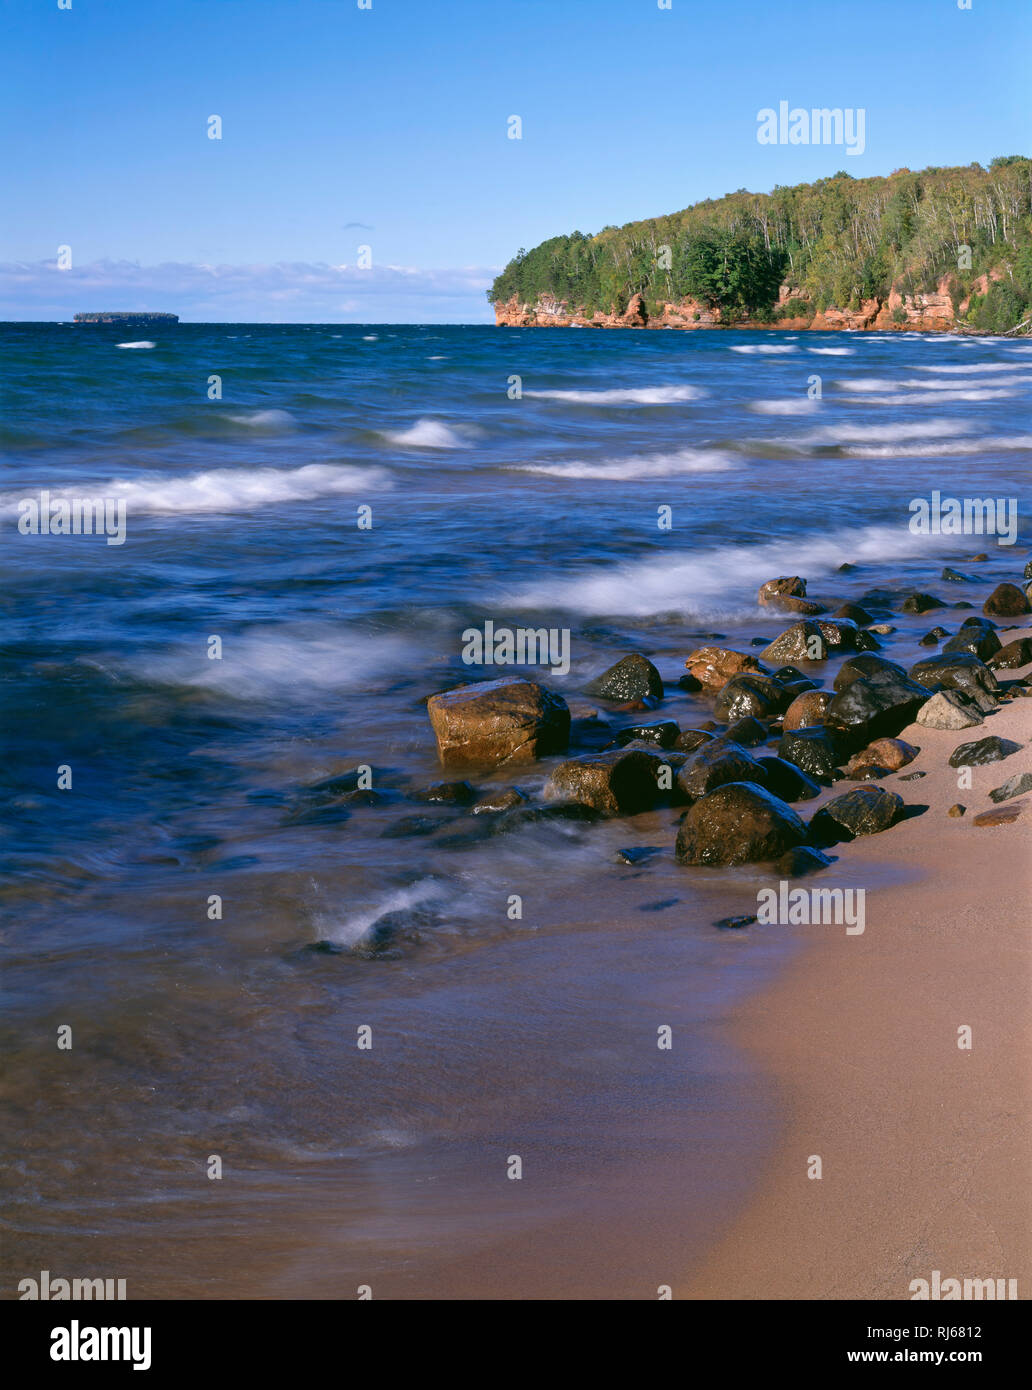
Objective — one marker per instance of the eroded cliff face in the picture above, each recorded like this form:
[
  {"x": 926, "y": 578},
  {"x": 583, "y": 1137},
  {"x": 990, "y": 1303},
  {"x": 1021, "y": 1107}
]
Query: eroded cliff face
[{"x": 896, "y": 313}]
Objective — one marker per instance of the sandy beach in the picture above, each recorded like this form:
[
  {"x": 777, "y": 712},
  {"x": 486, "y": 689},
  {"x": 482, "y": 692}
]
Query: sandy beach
[{"x": 924, "y": 1146}]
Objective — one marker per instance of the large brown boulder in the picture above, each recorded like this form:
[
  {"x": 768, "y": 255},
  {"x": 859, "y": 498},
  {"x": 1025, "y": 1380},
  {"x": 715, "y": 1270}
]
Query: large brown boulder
[
  {"x": 509, "y": 720},
  {"x": 714, "y": 764},
  {"x": 1006, "y": 601},
  {"x": 739, "y": 823},
  {"x": 619, "y": 782},
  {"x": 713, "y": 667}
]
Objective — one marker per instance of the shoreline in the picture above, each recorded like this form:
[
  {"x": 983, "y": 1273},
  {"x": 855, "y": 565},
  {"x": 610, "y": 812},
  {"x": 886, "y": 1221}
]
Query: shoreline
[{"x": 923, "y": 1144}]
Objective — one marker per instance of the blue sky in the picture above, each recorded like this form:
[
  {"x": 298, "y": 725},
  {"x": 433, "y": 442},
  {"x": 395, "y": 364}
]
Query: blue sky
[{"x": 387, "y": 128}]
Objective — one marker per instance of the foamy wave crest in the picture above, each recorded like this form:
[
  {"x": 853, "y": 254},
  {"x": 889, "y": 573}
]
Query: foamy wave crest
[
  {"x": 265, "y": 419},
  {"x": 936, "y": 447},
  {"x": 274, "y": 663},
  {"x": 223, "y": 489},
  {"x": 633, "y": 395},
  {"x": 950, "y": 383},
  {"x": 845, "y": 433},
  {"x": 427, "y": 434},
  {"x": 833, "y": 352},
  {"x": 870, "y": 383},
  {"x": 936, "y": 397},
  {"x": 719, "y": 583},
  {"x": 143, "y": 343},
  {"x": 637, "y": 466},
  {"x": 967, "y": 368},
  {"x": 804, "y": 406},
  {"x": 351, "y": 930},
  {"x": 770, "y": 348}
]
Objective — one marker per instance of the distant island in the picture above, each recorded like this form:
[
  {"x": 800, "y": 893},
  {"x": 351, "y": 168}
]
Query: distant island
[
  {"x": 126, "y": 319},
  {"x": 941, "y": 250}
]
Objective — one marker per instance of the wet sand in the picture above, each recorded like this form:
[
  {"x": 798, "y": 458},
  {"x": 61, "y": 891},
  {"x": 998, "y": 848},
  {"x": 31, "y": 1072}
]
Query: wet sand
[{"x": 925, "y": 1147}]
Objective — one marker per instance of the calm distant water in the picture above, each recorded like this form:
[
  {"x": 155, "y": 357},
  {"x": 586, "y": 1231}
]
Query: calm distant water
[{"x": 192, "y": 777}]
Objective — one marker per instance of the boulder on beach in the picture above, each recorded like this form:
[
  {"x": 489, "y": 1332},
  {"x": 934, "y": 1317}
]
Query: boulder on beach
[
  {"x": 620, "y": 782},
  {"x": 508, "y": 720},
  {"x": 807, "y": 710},
  {"x": 750, "y": 694},
  {"x": 1014, "y": 786},
  {"x": 1007, "y": 813},
  {"x": 862, "y": 811},
  {"x": 867, "y": 664},
  {"x": 802, "y": 642},
  {"x": 1012, "y": 656},
  {"x": 991, "y": 749},
  {"x": 787, "y": 781},
  {"x": 817, "y": 751},
  {"x": 714, "y": 764},
  {"x": 876, "y": 706},
  {"x": 689, "y": 739},
  {"x": 950, "y": 709},
  {"x": 977, "y": 637},
  {"x": 633, "y": 678},
  {"x": 1006, "y": 601},
  {"x": 961, "y": 671},
  {"x": 739, "y": 823},
  {"x": 800, "y": 861},
  {"x": 885, "y": 754},
  {"x": 713, "y": 667}
]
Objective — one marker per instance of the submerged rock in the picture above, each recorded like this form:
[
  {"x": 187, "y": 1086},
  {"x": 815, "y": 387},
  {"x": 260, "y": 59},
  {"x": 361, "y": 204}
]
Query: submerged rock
[
  {"x": 921, "y": 603},
  {"x": 501, "y": 721},
  {"x": 933, "y": 638},
  {"x": 632, "y": 678},
  {"x": 494, "y": 803},
  {"x": 451, "y": 793},
  {"x": 621, "y": 782},
  {"x": 854, "y": 613},
  {"x": 739, "y": 823}
]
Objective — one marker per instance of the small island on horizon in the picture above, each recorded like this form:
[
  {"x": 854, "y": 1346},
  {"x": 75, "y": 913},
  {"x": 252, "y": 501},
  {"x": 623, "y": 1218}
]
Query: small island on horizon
[{"x": 124, "y": 317}]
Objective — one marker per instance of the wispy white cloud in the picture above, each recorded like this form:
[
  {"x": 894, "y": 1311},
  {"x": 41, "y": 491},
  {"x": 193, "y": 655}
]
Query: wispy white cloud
[{"x": 287, "y": 291}]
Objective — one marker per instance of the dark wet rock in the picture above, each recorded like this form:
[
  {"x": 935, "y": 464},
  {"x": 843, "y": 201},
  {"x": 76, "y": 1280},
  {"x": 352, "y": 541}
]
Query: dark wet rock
[
  {"x": 776, "y": 589},
  {"x": 1013, "y": 655},
  {"x": 933, "y": 638},
  {"x": 689, "y": 739},
  {"x": 636, "y": 854},
  {"x": 1014, "y": 786},
  {"x": 862, "y": 811},
  {"x": 713, "y": 765},
  {"x": 1007, "y": 813},
  {"x": 977, "y": 641},
  {"x": 885, "y": 754},
  {"x": 839, "y": 633},
  {"x": 735, "y": 923},
  {"x": 921, "y": 603},
  {"x": 496, "y": 802},
  {"x": 450, "y": 793},
  {"x": 867, "y": 642},
  {"x": 738, "y": 823},
  {"x": 1028, "y": 570},
  {"x": 992, "y": 749},
  {"x": 817, "y": 752},
  {"x": 408, "y": 826},
  {"x": 982, "y": 556},
  {"x": 962, "y": 604},
  {"x": 787, "y": 781},
  {"x": 877, "y": 706},
  {"x": 632, "y": 678},
  {"x": 363, "y": 796},
  {"x": 802, "y": 642},
  {"x": 621, "y": 782},
  {"x": 855, "y": 613},
  {"x": 713, "y": 667},
  {"x": 867, "y": 664},
  {"x": 1006, "y": 601},
  {"x": 573, "y": 811},
  {"x": 807, "y": 710},
  {"x": 663, "y": 733},
  {"x": 688, "y": 682},
  {"x": 747, "y": 732},
  {"x": 746, "y": 694},
  {"x": 845, "y": 568},
  {"x": 956, "y": 810},
  {"x": 802, "y": 860},
  {"x": 955, "y": 577},
  {"x": 500, "y": 721},
  {"x": 791, "y": 675},
  {"x": 961, "y": 671},
  {"x": 913, "y": 776},
  {"x": 950, "y": 709}
]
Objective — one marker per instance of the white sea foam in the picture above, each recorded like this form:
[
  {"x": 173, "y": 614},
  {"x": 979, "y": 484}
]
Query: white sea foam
[
  {"x": 352, "y": 929},
  {"x": 427, "y": 434},
  {"x": 845, "y": 431},
  {"x": 950, "y": 383},
  {"x": 770, "y": 348},
  {"x": 636, "y": 466},
  {"x": 720, "y": 583},
  {"x": 966, "y": 368},
  {"x": 222, "y": 489},
  {"x": 937, "y": 397},
  {"x": 265, "y": 419},
  {"x": 636, "y": 395},
  {"x": 833, "y": 352},
  {"x": 803, "y": 406},
  {"x": 870, "y": 383},
  {"x": 936, "y": 447},
  {"x": 143, "y": 343}
]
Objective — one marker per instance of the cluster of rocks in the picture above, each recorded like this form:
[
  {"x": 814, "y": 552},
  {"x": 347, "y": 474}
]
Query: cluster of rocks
[{"x": 739, "y": 804}]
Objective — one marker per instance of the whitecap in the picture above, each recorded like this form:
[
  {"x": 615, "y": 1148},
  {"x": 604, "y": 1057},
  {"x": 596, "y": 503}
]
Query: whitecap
[
  {"x": 427, "y": 434},
  {"x": 265, "y": 419},
  {"x": 803, "y": 406},
  {"x": 638, "y": 395},
  {"x": 845, "y": 431},
  {"x": 770, "y": 348},
  {"x": 636, "y": 466},
  {"x": 143, "y": 343},
  {"x": 833, "y": 352}
]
